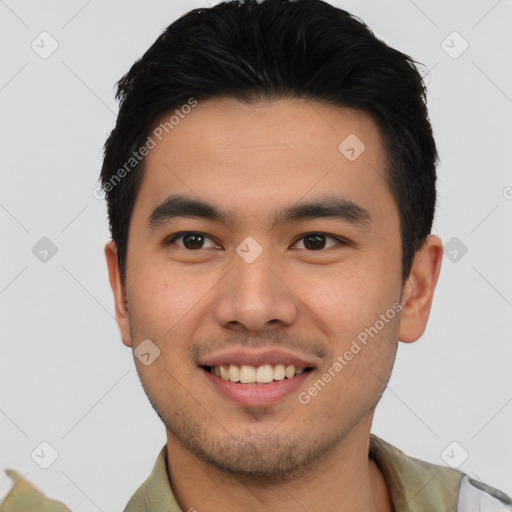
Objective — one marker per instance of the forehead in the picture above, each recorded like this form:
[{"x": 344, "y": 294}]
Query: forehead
[{"x": 254, "y": 157}]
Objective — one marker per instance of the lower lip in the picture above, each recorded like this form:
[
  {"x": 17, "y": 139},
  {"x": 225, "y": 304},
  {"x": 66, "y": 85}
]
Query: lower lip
[{"x": 257, "y": 395}]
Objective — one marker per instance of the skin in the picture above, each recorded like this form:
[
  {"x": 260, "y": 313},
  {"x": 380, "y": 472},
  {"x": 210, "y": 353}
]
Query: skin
[{"x": 252, "y": 159}]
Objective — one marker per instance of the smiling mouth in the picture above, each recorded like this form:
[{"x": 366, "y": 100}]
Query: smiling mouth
[{"x": 256, "y": 375}]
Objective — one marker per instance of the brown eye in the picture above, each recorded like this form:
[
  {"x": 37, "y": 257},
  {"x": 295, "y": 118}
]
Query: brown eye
[
  {"x": 191, "y": 240},
  {"x": 317, "y": 241}
]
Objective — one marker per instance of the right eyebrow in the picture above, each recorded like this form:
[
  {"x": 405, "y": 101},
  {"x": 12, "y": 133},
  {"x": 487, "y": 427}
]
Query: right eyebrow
[{"x": 176, "y": 206}]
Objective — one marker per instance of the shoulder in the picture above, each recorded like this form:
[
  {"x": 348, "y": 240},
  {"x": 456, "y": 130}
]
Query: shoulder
[
  {"x": 475, "y": 496},
  {"x": 24, "y": 497},
  {"x": 417, "y": 486}
]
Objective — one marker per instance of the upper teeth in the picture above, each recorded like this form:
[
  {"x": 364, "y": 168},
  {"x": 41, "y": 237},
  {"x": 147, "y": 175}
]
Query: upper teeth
[{"x": 247, "y": 374}]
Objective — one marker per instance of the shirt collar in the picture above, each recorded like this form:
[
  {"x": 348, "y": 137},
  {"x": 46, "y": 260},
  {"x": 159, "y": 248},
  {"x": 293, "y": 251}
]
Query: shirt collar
[
  {"x": 155, "y": 493},
  {"x": 415, "y": 485}
]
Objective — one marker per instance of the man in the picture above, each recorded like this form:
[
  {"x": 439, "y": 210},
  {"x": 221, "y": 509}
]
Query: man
[{"x": 270, "y": 185}]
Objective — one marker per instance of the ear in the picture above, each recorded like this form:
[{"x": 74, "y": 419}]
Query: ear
[
  {"x": 418, "y": 291},
  {"x": 114, "y": 275}
]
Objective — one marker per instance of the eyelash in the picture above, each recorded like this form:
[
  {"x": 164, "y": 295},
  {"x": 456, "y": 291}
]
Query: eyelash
[{"x": 176, "y": 236}]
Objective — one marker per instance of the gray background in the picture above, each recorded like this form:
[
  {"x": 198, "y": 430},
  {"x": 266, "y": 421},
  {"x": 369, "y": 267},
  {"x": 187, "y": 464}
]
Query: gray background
[{"x": 65, "y": 376}]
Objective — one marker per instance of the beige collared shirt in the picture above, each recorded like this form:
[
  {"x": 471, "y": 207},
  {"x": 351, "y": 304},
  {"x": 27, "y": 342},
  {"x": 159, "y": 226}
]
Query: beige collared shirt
[{"x": 414, "y": 486}]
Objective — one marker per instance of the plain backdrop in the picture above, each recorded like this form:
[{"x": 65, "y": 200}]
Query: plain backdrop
[{"x": 66, "y": 378}]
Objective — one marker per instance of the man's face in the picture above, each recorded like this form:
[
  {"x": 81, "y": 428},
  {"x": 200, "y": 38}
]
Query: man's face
[{"x": 215, "y": 298}]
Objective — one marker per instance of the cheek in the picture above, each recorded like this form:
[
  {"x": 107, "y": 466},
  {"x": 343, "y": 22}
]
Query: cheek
[
  {"x": 164, "y": 296},
  {"x": 359, "y": 315},
  {"x": 347, "y": 300},
  {"x": 165, "y": 312}
]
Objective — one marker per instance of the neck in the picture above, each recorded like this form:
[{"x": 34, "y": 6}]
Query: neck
[{"x": 345, "y": 479}]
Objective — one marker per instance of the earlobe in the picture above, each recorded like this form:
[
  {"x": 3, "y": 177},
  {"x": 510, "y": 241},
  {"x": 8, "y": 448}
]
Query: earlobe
[
  {"x": 121, "y": 306},
  {"x": 419, "y": 290}
]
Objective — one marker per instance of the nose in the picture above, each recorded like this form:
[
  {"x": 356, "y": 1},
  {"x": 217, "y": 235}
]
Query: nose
[{"x": 255, "y": 296}]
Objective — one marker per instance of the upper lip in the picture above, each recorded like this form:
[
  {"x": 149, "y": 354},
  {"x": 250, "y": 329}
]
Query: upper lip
[{"x": 253, "y": 358}]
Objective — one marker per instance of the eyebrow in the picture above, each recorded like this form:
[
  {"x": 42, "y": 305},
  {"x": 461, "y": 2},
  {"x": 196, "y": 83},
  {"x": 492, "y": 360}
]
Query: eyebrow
[{"x": 332, "y": 207}]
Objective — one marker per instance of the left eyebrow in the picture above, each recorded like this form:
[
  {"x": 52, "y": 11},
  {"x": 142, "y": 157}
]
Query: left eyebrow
[
  {"x": 332, "y": 207},
  {"x": 337, "y": 208}
]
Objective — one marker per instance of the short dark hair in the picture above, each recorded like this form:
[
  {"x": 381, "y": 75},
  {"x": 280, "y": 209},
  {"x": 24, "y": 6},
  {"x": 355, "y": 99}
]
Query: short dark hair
[{"x": 276, "y": 49}]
